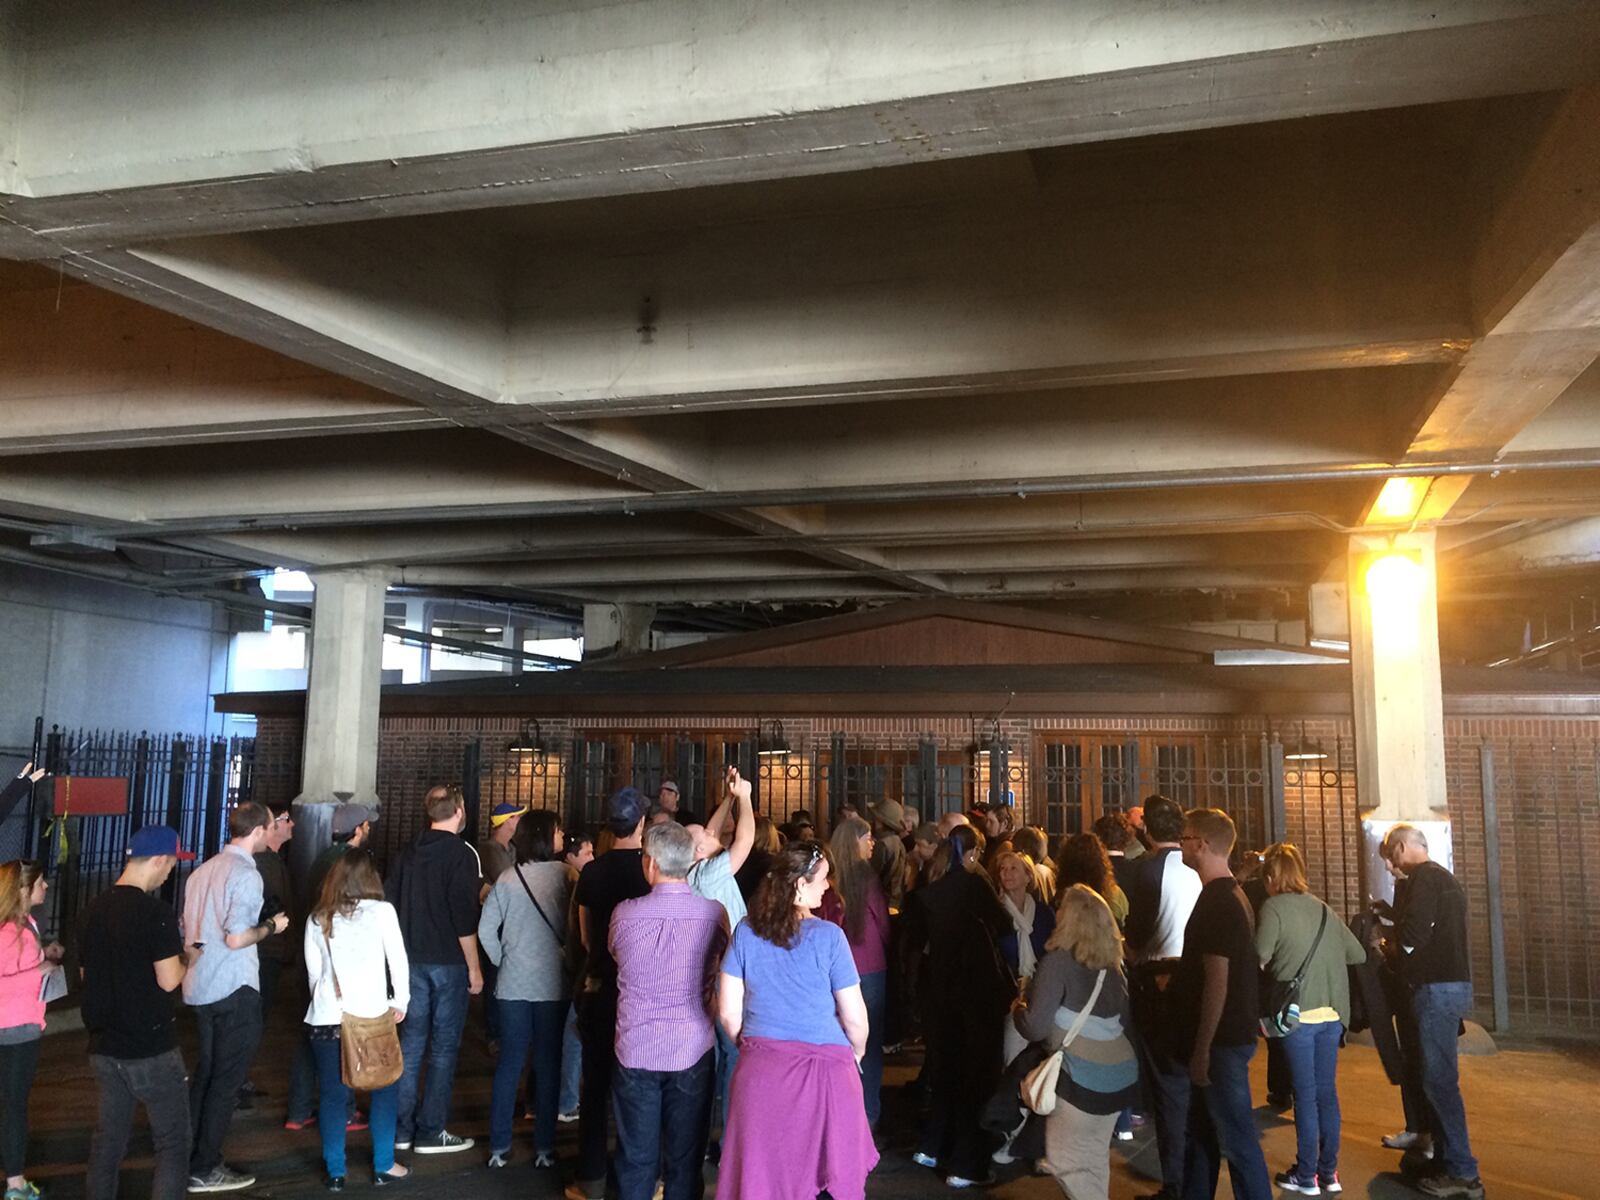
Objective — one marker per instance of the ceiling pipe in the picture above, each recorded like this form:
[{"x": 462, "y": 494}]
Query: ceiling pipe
[{"x": 875, "y": 493}]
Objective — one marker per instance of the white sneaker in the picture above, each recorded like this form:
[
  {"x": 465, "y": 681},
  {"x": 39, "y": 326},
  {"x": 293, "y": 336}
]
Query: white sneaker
[
  {"x": 925, "y": 1160},
  {"x": 960, "y": 1181},
  {"x": 499, "y": 1160}
]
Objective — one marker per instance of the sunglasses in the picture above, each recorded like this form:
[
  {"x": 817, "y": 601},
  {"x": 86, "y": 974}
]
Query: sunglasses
[{"x": 811, "y": 863}]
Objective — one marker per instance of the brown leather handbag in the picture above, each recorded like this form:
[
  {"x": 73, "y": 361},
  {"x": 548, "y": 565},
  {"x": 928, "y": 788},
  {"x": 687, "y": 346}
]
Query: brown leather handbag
[{"x": 369, "y": 1047}]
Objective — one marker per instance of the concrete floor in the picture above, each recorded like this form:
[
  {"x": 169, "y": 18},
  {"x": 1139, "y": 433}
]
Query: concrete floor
[{"x": 1527, "y": 1106}]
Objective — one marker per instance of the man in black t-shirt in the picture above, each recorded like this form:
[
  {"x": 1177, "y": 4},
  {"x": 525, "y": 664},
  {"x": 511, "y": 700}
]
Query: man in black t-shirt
[
  {"x": 613, "y": 877},
  {"x": 1218, "y": 1007},
  {"x": 133, "y": 962}
]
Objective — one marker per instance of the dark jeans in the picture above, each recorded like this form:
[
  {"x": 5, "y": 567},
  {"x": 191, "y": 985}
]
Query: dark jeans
[
  {"x": 1163, "y": 1072},
  {"x": 432, "y": 1031},
  {"x": 160, "y": 1085},
  {"x": 1312, "y": 1052},
  {"x": 230, "y": 1032},
  {"x": 963, "y": 1072},
  {"x": 663, "y": 1124},
  {"x": 335, "y": 1103},
  {"x": 875, "y": 991},
  {"x": 1222, "y": 1124},
  {"x": 528, "y": 1028},
  {"x": 1439, "y": 1009},
  {"x": 491, "y": 1006},
  {"x": 17, "y": 1064},
  {"x": 726, "y": 1054},
  {"x": 597, "y": 1028},
  {"x": 571, "y": 1063}
]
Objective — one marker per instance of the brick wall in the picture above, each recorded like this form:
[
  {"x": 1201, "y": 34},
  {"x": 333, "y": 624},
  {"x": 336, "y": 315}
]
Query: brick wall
[{"x": 1547, "y": 777}]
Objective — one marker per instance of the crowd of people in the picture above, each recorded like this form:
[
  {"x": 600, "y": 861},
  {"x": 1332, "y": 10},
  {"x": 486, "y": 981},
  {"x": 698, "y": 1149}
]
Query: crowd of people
[{"x": 726, "y": 990}]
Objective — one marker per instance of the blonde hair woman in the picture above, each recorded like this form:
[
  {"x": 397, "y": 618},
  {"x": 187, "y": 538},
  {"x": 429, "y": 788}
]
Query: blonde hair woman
[
  {"x": 1286, "y": 931},
  {"x": 22, "y": 961},
  {"x": 1082, "y": 969}
]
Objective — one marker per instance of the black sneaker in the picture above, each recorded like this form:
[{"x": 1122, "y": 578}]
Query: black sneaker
[
  {"x": 1290, "y": 1182},
  {"x": 1451, "y": 1186},
  {"x": 221, "y": 1178},
  {"x": 445, "y": 1143}
]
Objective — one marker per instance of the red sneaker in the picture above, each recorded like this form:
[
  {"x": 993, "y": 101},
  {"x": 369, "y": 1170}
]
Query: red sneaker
[
  {"x": 357, "y": 1122},
  {"x": 297, "y": 1126}
]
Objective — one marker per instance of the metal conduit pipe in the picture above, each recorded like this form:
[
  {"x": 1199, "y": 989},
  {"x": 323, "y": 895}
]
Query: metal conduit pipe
[{"x": 875, "y": 493}]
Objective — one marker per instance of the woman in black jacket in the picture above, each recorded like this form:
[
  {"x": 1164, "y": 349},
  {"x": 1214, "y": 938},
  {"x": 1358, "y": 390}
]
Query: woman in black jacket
[{"x": 968, "y": 990}]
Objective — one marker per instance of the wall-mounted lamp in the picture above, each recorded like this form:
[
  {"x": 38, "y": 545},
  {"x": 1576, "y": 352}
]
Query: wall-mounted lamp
[
  {"x": 529, "y": 742},
  {"x": 771, "y": 742}
]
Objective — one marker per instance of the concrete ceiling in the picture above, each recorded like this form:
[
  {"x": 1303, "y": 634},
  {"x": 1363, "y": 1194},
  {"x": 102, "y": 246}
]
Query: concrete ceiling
[{"x": 646, "y": 302}]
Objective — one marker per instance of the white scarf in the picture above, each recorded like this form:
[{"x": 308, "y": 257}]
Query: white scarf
[{"x": 1022, "y": 922}]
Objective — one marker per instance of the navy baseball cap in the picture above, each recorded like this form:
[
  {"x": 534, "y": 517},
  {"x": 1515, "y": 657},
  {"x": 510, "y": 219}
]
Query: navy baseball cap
[
  {"x": 626, "y": 807},
  {"x": 155, "y": 841}
]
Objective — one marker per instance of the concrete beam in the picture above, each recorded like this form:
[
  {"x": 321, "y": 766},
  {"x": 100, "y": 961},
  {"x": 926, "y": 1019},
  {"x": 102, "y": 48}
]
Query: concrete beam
[
  {"x": 1535, "y": 288},
  {"x": 1566, "y": 546},
  {"x": 84, "y": 369},
  {"x": 526, "y": 104}
]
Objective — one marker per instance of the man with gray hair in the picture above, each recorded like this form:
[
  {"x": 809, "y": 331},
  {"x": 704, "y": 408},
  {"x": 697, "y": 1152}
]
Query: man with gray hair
[
  {"x": 668, "y": 946},
  {"x": 1429, "y": 949}
]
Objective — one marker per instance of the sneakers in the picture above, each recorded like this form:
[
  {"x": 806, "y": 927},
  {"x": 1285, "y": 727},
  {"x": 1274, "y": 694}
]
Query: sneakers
[
  {"x": 1290, "y": 1182},
  {"x": 402, "y": 1145},
  {"x": 445, "y": 1143},
  {"x": 1123, "y": 1135},
  {"x": 356, "y": 1122},
  {"x": 1445, "y": 1186},
  {"x": 961, "y": 1181},
  {"x": 1330, "y": 1183},
  {"x": 295, "y": 1125},
  {"x": 221, "y": 1178},
  {"x": 567, "y": 1118},
  {"x": 499, "y": 1158},
  {"x": 925, "y": 1160},
  {"x": 334, "y": 1183},
  {"x": 544, "y": 1159}
]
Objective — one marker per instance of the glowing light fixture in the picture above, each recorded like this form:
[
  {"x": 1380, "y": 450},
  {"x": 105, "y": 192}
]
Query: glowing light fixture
[
  {"x": 1401, "y": 498},
  {"x": 1304, "y": 756},
  {"x": 1395, "y": 582}
]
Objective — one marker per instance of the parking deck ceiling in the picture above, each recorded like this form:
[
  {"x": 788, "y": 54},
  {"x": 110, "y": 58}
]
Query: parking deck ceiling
[{"x": 565, "y": 305}]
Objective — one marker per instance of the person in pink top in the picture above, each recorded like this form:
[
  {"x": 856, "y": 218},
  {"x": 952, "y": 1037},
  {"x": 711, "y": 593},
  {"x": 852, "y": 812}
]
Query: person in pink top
[
  {"x": 855, "y": 902},
  {"x": 23, "y": 963}
]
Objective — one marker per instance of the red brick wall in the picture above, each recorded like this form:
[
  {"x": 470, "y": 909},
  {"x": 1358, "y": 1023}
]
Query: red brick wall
[{"x": 1547, "y": 786}]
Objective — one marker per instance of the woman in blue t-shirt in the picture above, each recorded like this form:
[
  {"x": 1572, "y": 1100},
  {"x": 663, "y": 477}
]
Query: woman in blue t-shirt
[{"x": 791, "y": 998}]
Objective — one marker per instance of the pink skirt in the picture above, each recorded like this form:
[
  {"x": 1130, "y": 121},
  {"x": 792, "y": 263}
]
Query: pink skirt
[{"x": 797, "y": 1124}]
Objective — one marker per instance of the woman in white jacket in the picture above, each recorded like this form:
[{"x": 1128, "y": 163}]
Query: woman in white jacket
[{"x": 353, "y": 931}]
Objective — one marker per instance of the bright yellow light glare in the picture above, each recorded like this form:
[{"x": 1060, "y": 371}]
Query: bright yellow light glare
[
  {"x": 1400, "y": 498},
  {"x": 1394, "y": 591}
]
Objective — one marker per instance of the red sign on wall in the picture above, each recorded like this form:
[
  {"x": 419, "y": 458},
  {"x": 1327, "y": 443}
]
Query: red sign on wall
[{"x": 88, "y": 796}]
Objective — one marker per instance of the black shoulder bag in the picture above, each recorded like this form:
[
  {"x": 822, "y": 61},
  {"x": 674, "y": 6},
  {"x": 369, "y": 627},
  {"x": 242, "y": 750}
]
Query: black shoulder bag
[{"x": 1283, "y": 997}]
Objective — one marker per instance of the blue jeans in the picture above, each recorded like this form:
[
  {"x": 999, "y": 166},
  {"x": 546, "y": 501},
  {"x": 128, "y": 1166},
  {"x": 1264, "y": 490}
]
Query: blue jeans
[
  {"x": 1313, "y": 1054},
  {"x": 1222, "y": 1124},
  {"x": 334, "y": 1103},
  {"x": 432, "y": 1030},
  {"x": 663, "y": 1124},
  {"x": 571, "y": 1062},
  {"x": 726, "y": 1051},
  {"x": 1439, "y": 1008},
  {"x": 875, "y": 991},
  {"x": 527, "y": 1027}
]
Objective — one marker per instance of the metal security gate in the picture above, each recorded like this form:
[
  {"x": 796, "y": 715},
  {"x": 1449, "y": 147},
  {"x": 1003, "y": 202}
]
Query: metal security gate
[
  {"x": 186, "y": 782},
  {"x": 1085, "y": 775}
]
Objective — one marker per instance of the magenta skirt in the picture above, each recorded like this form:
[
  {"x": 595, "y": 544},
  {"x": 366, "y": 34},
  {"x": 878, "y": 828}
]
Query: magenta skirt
[{"x": 797, "y": 1125}]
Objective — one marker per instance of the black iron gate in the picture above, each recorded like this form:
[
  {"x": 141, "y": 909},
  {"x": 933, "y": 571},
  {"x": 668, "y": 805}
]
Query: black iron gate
[{"x": 187, "y": 782}]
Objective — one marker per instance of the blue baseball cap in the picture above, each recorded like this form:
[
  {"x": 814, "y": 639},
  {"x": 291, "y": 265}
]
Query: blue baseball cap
[
  {"x": 503, "y": 812},
  {"x": 156, "y": 841},
  {"x": 626, "y": 807}
]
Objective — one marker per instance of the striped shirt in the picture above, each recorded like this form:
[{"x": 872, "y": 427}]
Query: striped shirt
[{"x": 668, "y": 946}]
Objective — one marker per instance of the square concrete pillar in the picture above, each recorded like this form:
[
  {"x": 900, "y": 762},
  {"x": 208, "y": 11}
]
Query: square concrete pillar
[
  {"x": 341, "y": 729},
  {"x": 1398, "y": 695}
]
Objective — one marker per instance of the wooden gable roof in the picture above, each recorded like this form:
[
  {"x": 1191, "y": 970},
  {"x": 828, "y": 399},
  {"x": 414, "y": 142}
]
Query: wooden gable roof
[{"x": 951, "y": 633}]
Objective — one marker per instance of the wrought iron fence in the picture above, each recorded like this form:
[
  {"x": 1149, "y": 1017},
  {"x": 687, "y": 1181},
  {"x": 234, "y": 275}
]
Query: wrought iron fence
[{"x": 186, "y": 782}]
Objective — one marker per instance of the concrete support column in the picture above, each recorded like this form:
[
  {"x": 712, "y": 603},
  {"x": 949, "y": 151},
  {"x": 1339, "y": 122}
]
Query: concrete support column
[
  {"x": 612, "y": 629},
  {"x": 341, "y": 730},
  {"x": 1398, "y": 696}
]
